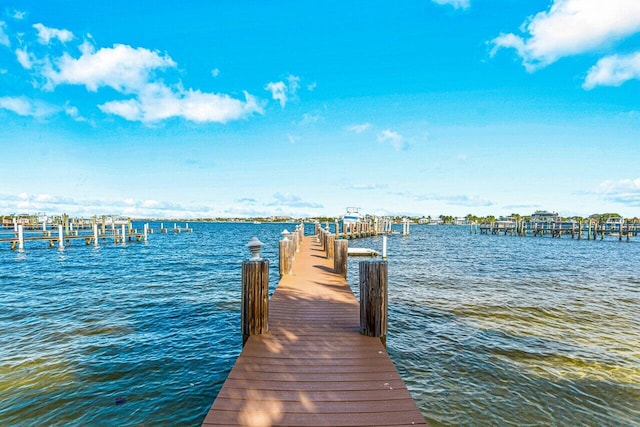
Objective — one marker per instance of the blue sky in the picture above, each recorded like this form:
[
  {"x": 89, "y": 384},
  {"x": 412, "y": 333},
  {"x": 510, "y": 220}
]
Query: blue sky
[{"x": 251, "y": 108}]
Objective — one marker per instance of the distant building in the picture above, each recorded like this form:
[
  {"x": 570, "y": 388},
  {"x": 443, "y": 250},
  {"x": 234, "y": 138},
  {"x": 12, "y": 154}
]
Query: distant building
[
  {"x": 461, "y": 221},
  {"x": 545, "y": 216}
]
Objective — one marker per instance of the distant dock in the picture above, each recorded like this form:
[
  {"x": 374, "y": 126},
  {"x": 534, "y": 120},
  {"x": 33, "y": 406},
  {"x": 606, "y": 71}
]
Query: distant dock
[
  {"x": 64, "y": 230},
  {"x": 590, "y": 230}
]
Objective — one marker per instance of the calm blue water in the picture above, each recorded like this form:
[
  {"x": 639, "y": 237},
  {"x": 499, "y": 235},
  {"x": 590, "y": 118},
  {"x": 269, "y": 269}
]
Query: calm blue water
[{"x": 485, "y": 330}]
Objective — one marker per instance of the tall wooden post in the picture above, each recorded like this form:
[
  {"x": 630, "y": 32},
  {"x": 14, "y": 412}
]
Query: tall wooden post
[
  {"x": 284, "y": 253},
  {"x": 255, "y": 293},
  {"x": 374, "y": 295},
  {"x": 331, "y": 238},
  {"x": 340, "y": 256}
]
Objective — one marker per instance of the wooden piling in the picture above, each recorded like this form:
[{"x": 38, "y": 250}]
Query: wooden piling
[
  {"x": 340, "y": 256},
  {"x": 255, "y": 298},
  {"x": 284, "y": 253},
  {"x": 374, "y": 299},
  {"x": 331, "y": 238}
]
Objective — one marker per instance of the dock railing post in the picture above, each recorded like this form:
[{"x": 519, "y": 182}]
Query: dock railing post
[
  {"x": 60, "y": 237},
  {"x": 20, "y": 236},
  {"x": 374, "y": 295},
  {"x": 284, "y": 254},
  {"x": 384, "y": 247},
  {"x": 146, "y": 231},
  {"x": 341, "y": 247},
  {"x": 255, "y": 293},
  {"x": 95, "y": 234},
  {"x": 331, "y": 238}
]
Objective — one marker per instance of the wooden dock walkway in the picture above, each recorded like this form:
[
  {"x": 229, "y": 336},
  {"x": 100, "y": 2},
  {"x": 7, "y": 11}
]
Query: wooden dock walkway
[{"x": 313, "y": 367}]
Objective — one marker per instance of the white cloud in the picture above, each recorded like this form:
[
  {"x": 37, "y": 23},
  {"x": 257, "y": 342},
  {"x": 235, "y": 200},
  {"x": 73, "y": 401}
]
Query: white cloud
[
  {"x": 26, "y": 107},
  {"x": 359, "y": 128},
  {"x": 45, "y": 34},
  {"x": 571, "y": 27},
  {"x": 18, "y": 15},
  {"x": 278, "y": 92},
  {"x": 74, "y": 113},
  {"x": 122, "y": 67},
  {"x": 281, "y": 91},
  {"x": 458, "y": 4},
  {"x": 396, "y": 140},
  {"x": 4, "y": 38},
  {"x": 159, "y": 102},
  {"x": 24, "y": 58},
  {"x": 215, "y": 72},
  {"x": 311, "y": 87},
  {"x": 624, "y": 191},
  {"x": 129, "y": 71},
  {"x": 613, "y": 70}
]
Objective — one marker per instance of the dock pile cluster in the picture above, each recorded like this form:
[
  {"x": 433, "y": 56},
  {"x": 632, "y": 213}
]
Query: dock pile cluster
[
  {"x": 590, "y": 229},
  {"x": 61, "y": 230}
]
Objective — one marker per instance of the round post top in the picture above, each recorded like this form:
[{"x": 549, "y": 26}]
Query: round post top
[{"x": 255, "y": 246}]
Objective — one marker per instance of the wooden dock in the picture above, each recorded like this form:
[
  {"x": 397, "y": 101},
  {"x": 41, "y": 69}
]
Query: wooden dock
[
  {"x": 313, "y": 367},
  {"x": 589, "y": 229},
  {"x": 68, "y": 229}
]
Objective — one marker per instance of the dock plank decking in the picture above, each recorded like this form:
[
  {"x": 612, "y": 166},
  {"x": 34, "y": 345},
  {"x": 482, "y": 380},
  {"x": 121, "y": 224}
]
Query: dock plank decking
[{"x": 313, "y": 367}]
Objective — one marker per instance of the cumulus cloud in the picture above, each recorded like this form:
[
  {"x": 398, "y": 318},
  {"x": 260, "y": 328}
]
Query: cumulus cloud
[
  {"x": 130, "y": 71},
  {"x": 396, "y": 140},
  {"x": 281, "y": 91},
  {"x": 45, "y": 34},
  {"x": 121, "y": 67},
  {"x": 571, "y": 27},
  {"x": 613, "y": 70},
  {"x": 359, "y": 128},
  {"x": 278, "y": 92},
  {"x": 458, "y": 4},
  {"x": 27, "y": 107},
  {"x": 624, "y": 191},
  {"x": 158, "y": 102}
]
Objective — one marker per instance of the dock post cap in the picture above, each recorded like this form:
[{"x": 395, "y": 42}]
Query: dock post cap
[
  {"x": 255, "y": 246},
  {"x": 285, "y": 234}
]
